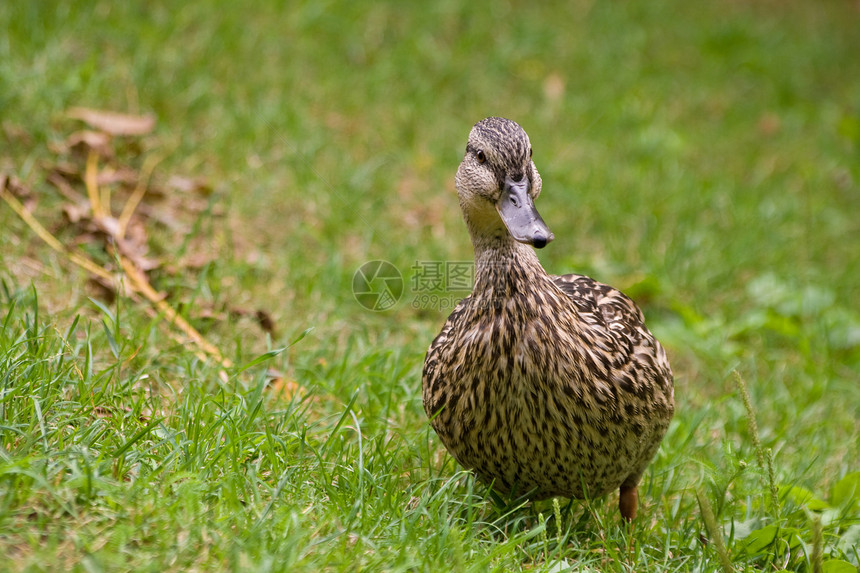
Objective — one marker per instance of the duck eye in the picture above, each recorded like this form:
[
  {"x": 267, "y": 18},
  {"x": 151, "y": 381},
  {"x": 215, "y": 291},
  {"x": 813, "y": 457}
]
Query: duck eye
[{"x": 481, "y": 156}]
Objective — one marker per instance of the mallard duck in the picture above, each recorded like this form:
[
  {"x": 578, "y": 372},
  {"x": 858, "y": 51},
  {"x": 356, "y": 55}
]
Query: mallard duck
[{"x": 546, "y": 386}]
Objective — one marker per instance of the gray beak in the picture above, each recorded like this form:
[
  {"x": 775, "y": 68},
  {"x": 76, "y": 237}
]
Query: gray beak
[{"x": 517, "y": 210}]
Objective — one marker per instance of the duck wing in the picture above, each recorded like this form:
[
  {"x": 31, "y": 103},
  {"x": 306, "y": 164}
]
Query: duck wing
[{"x": 611, "y": 312}]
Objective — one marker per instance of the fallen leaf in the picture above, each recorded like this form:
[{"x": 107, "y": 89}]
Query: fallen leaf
[
  {"x": 189, "y": 184},
  {"x": 162, "y": 216},
  {"x": 105, "y": 412},
  {"x": 123, "y": 174},
  {"x": 135, "y": 231},
  {"x": 107, "y": 225},
  {"x": 137, "y": 254},
  {"x": 236, "y": 312},
  {"x": 284, "y": 388},
  {"x": 209, "y": 313},
  {"x": 58, "y": 180},
  {"x": 75, "y": 212},
  {"x": 113, "y": 122},
  {"x": 179, "y": 200},
  {"x": 85, "y": 140},
  {"x": 14, "y": 185},
  {"x": 263, "y": 318},
  {"x": 266, "y": 321},
  {"x": 23, "y": 193},
  {"x": 102, "y": 412},
  {"x": 67, "y": 170}
]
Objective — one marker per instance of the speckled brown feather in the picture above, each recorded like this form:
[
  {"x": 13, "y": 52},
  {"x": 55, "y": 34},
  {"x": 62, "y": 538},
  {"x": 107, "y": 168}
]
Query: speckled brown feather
[{"x": 542, "y": 384}]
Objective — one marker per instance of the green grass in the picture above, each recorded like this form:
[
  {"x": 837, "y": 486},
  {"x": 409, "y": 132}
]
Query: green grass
[{"x": 704, "y": 157}]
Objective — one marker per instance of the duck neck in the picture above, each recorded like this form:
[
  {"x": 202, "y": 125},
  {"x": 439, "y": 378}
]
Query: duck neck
[{"x": 504, "y": 267}]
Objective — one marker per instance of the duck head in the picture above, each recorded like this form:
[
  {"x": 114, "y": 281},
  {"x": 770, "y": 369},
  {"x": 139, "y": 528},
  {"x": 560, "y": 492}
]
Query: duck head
[{"x": 497, "y": 183}]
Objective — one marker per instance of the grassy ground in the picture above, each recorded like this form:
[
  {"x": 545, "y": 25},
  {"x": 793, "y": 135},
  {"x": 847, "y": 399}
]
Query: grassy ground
[{"x": 705, "y": 157}]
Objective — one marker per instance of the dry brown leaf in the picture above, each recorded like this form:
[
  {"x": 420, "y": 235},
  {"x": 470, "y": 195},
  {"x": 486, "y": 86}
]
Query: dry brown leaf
[
  {"x": 107, "y": 225},
  {"x": 189, "y": 184},
  {"x": 208, "y": 312},
  {"x": 143, "y": 263},
  {"x": 163, "y": 216},
  {"x": 106, "y": 288},
  {"x": 267, "y": 323},
  {"x": 76, "y": 212},
  {"x": 110, "y": 412},
  {"x": 134, "y": 246},
  {"x": 263, "y": 318},
  {"x": 58, "y": 180},
  {"x": 125, "y": 236},
  {"x": 236, "y": 312},
  {"x": 14, "y": 185},
  {"x": 67, "y": 170},
  {"x": 102, "y": 412},
  {"x": 180, "y": 201},
  {"x": 85, "y": 140},
  {"x": 135, "y": 232},
  {"x": 114, "y": 123},
  {"x": 282, "y": 387},
  {"x": 19, "y": 190},
  {"x": 122, "y": 174}
]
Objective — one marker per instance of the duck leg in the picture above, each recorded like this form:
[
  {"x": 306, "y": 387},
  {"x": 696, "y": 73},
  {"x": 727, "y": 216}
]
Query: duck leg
[{"x": 628, "y": 500}]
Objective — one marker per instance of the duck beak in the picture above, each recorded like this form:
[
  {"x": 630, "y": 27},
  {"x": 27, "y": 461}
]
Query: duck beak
[{"x": 518, "y": 212}]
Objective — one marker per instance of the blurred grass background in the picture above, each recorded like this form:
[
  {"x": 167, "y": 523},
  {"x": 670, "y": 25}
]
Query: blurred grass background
[{"x": 704, "y": 157}]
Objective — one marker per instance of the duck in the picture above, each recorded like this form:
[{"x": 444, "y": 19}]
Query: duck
[{"x": 544, "y": 386}]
